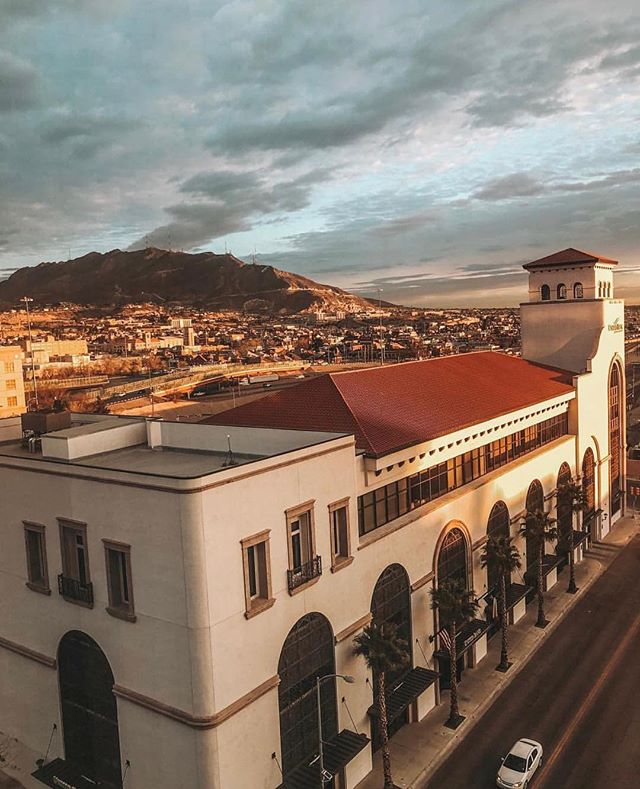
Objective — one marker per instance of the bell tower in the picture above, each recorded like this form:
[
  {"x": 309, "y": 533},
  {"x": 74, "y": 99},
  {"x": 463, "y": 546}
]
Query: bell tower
[
  {"x": 572, "y": 321},
  {"x": 570, "y": 307}
]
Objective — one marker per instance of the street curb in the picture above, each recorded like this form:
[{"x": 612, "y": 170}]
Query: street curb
[{"x": 422, "y": 779}]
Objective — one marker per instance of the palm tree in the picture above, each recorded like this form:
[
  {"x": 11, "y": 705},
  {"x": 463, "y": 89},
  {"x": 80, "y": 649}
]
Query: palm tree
[
  {"x": 384, "y": 651},
  {"x": 455, "y": 605},
  {"x": 573, "y": 494},
  {"x": 501, "y": 556},
  {"x": 538, "y": 527}
]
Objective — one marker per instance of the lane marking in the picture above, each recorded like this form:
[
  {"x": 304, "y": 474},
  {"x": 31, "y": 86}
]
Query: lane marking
[{"x": 588, "y": 702}]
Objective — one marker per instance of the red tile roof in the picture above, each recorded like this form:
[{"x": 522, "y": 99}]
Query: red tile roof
[
  {"x": 568, "y": 256},
  {"x": 395, "y": 406}
]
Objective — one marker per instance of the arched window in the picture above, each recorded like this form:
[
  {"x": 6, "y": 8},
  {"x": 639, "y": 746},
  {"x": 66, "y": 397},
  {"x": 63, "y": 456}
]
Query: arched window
[
  {"x": 452, "y": 559},
  {"x": 391, "y": 602},
  {"x": 564, "y": 511},
  {"x": 578, "y": 291},
  {"x": 562, "y": 291},
  {"x": 615, "y": 438},
  {"x": 534, "y": 503},
  {"x": 545, "y": 293},
  {"x": 589, "y": 487},
  {"x": 89, "y": 710},
  {"x": 307, "y": 653},
  {"x": 497, "y": 526}
]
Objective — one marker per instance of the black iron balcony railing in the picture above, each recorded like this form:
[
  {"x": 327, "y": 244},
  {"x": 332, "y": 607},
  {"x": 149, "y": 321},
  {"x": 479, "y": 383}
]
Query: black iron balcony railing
[
  {"x": 72, "y": 589},
  {"x": 305, "y": 572}
]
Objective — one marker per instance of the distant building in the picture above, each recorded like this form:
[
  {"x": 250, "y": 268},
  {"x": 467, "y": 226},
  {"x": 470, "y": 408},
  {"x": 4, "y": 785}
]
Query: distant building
[
  {"x": 12, "y": 400},
  {"x": 172, "y": 592}
]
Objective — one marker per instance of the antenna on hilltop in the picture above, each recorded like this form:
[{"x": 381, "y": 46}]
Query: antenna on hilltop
[{"x": 253, "y": 257}]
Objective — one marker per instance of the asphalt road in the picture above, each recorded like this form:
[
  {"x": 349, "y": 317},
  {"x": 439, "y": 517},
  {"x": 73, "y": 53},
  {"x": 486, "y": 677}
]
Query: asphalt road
[{"x": 579, "y": 696}]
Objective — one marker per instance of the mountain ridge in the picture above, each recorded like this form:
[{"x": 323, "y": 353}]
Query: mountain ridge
[{"x": 200, "y": 279}]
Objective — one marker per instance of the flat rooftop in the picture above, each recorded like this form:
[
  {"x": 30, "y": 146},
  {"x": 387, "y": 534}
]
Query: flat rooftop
[{"x": 174, "y": 450}]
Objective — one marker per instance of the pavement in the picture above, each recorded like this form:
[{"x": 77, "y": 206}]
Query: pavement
[{"x": 558, "y": 673}]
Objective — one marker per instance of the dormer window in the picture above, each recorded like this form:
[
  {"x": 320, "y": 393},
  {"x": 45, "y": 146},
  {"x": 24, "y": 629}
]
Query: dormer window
[
  {"x": 578, "y": 291},
  {"x": 545, "y": 293},
  {"x": 562, "y": 291}
]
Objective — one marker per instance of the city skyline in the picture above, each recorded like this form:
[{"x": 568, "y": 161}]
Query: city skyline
[{"x": 429, "y": 155}]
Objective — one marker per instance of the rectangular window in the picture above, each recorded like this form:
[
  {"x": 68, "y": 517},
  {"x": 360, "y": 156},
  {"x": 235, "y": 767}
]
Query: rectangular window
[
  {"x": 74, "y": 583},
  {"x": 340, "y": 538},
  {"x": 75, "y": 561},
  {"x": 9, "y": 367},
  {"x": 37, "y": 571},
  {"x": 304, "y": 564},
  {"x": 119, "y": 584},
  {"x": 10, "y": 383},
  {"x": 257, "y": 573},
  {"x": 12, "y": 402}
]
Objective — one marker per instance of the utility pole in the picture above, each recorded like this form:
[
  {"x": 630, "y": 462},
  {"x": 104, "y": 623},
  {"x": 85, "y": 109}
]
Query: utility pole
[{"x": 26, "y": 300}]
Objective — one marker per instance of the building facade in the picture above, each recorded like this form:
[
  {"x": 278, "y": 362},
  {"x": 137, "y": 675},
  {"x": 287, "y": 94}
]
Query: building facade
[
  {"x": 172, "y": 592},
  {"x": 12, "y": 401}
]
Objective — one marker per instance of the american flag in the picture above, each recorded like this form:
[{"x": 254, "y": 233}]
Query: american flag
[{"x": 445, "y": 639}]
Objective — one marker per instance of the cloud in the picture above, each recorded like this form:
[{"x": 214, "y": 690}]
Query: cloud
[
  {"x": 508, "y": 186},
  {"x": 232, "y": 202},
  {"x": 18, "y": 83}
]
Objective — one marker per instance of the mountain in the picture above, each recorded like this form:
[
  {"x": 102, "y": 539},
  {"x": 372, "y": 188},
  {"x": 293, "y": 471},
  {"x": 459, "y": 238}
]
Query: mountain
[{"x": 202, "y": 279}]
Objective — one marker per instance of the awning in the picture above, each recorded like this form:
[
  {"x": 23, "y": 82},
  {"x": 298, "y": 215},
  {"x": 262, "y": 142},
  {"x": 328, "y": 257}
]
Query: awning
[
  {"x": 515, "y": 593},
  {"x": 406, "y": 691},
  {"x": 549, "y": 562},
  {"x": 59, "y": 774},
  {"x": 337, "y": 753},
  {"x": 579, "y": 537},
  {"x": 466, "y": 637}
]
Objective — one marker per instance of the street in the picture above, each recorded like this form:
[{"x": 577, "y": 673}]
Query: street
[{"x": 579, "y": 696}]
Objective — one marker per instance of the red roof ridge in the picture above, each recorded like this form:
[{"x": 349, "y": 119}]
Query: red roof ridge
[
  {"x": 569, "y": 255},
  {"x": 348, "y": 407}
]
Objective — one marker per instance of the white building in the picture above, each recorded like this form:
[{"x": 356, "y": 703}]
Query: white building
[{"x": 170, "y": 591}]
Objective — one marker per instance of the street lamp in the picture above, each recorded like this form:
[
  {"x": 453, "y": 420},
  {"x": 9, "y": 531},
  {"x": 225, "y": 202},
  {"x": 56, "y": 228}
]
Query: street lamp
[
  {"x": 319, "y": 680},
  {"x": 26, "y": 300}
]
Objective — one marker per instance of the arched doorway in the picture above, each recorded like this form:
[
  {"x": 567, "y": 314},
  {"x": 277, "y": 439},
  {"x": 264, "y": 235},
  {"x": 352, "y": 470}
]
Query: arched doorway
[
  {"x": 498, "y": 525},
  {"x": 589, "y": 491},
  {"x": 615, "y": 438},
  {"x": 564, "y": 513},
  {"x": 391, "y": 602},
  {"x": 534, "y": 503},
  {"x": 307, "y": 653},
  {"x": 452, "y": 565},
  {"x": 89, "y": 710}
]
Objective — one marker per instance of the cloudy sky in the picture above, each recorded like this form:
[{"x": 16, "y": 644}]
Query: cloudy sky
[{"x": 427, "y": 148}]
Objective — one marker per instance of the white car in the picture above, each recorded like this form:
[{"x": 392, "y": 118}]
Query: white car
[{"x": 519, "y": 765}]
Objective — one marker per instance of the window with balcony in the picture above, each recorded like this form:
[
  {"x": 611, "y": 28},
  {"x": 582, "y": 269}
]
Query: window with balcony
[
  {"x": 304, "y": 565},
  {"x": 340, "y": 537},
  {"x": 119, "y": 585},
  {"x": 257, "y": 573},
  {"x": 74, "y": 582},
  {"x": 37, "y": 571}
]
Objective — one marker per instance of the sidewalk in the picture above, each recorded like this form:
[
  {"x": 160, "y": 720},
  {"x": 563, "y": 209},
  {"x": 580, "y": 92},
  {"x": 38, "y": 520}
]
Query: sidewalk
[{"x": 418, "y": 749}]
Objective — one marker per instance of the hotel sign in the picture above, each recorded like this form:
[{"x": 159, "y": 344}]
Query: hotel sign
[{"x": 616, "y": 326}]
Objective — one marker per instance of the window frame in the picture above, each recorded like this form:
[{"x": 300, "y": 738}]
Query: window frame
[
  {"x": 39, "y": 529},
  {"x": 12, "y": 401},
  {"x": 119, "y": 611},
  {"x": 291, "y": 515},
  {"x": 561, "y": 292},
  {"x": 79, "y": 527},
  {"x": 338, "y": 560},
  {"x": 256, "y": 604}
]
